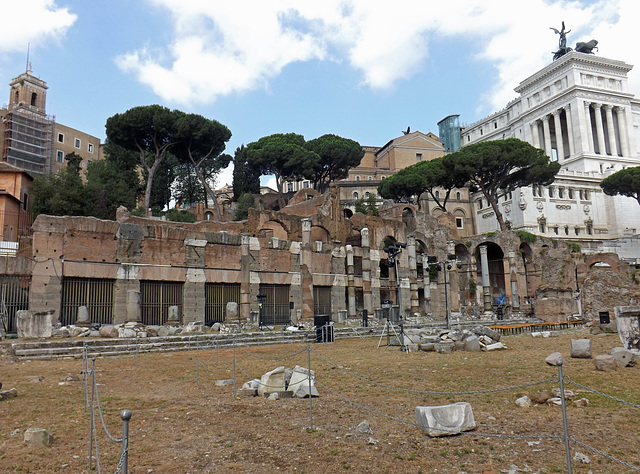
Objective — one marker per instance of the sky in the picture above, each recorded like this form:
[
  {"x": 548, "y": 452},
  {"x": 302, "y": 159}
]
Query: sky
[{"x": 360, "y": 69}]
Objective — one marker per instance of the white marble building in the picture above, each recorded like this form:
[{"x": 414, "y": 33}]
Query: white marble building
[{"x": 580, "y": 111}]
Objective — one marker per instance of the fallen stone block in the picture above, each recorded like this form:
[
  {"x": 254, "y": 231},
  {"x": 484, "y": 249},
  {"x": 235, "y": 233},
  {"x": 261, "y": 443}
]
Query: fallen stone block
[
  {"x": 34, "y": 324},
  {"x": 299, "y": 383},
  {"x": 605, "y": 363},
  {"x": 224, "y": 383},
  {"x": 485, "y": 331},
  {"x": 445, "y": 420},
  {"x": 540, "y": 397},
  {"x": 625, "y": 357},
  {"x": 568, "y": 394},
  {"x": 246, "y": 393},
  {"x": 581, "y": 348},
  {"x": 472, "y": 344},
  {"x": 581, "y": 402},
  {"x": 38, "y": 437},
  {"x": 427, "y": 347},
  {"x": 444, "y": 347},
  {"x": 524, "y": 401},
  {"x": 11, "y": 393},
  {"x": 496, "y": 346},
  {"x": 553, "y": 358},
  {"x": 545, "y": 334},
  {"x": 272, "y": 381}
]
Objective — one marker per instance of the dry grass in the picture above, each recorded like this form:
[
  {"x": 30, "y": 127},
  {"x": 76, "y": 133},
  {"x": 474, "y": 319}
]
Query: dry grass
[{"x": 182, "y": 426}]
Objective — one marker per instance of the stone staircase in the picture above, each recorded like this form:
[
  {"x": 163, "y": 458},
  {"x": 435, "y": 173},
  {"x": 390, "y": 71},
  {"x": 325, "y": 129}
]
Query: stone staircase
[{"x": 72, "y": 348}]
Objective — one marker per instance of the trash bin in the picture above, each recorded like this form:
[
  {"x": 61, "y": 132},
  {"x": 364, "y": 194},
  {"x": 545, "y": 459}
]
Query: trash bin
[
  {"x": 322, "y": 323},
  {"x": 499, "y": 313},
  {"x": 604, "y": 317}
]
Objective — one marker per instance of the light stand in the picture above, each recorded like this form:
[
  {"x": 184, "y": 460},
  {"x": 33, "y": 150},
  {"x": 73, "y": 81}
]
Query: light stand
[
  {"x": 261, "y": 299},
  {"x": 445, "y": 266}
]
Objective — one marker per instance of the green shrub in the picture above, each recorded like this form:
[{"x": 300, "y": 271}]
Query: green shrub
[{"x": 527, "y": 237}]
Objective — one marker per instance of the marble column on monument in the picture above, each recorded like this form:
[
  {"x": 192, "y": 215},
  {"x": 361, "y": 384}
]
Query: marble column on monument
[
  {"x": 513, "y": 277},
  {"x": 486, "y": 285},
  {"x": 426, "y": 282},
  {"x": 622, "y": 129},
  {"x": 602, "y": 149},
  {"x": 535, "y": 133},
  {"x": 413, "y": 274},
  {"x": 569, "y": 122},
  {"x": 557, "y": 125},
  {"x": 611, "y": 132},
  {"x": 587, "y": 124},
  {"x": 351, "y": 288},
  {"x": 547, "y": 136}
]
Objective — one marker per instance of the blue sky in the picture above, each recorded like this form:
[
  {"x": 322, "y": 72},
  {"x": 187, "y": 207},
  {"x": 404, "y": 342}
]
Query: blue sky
[{"x": 360, "y": 69}]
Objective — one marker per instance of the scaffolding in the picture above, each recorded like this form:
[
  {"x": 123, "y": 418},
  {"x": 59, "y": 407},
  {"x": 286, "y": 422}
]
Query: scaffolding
[{"x": 28, "y": 140}]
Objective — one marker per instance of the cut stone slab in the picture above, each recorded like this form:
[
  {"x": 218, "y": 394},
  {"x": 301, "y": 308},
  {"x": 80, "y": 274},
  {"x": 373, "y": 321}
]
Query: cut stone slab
[
  {"x": 606, "y": 363},
  {"x": 299, "y": 383},
  {"x": 445, "y": 420},
  {"x": 628, "y": 319},
  {"x": 34, "y": 324},
  {"x": 110, "y": 332},
  {"x": 11, "y": 393},
  {"x": 524, "y": 401},
  {"x": 581, "y": 348},
  {"x": 472, "y": 344},
  {"x": 246, "y": 392},
  {"x": 496, "y": 346},
  {"x": 224, "y": 383},
  {"x": 272, "y": 381},
  {"x": 444, "y": 347},
  {"x": 38, "y": 437}
]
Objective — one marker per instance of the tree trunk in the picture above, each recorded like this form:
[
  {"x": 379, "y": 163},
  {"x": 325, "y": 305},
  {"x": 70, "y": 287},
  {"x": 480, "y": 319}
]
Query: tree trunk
[
  {"x": 210, "y": 192},
  {"x": 494, "y": 206}
]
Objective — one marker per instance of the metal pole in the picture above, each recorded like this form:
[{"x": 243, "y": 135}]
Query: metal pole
[
  {"x": 125, "y": 415},
  {"x": 564, "y": 415},
  {"x": 91, "y": 417},
  {"x": 446, "y": 294},
  {"x": 395, "y": 262},
  {"x": 234, "y": 365},
  {"x": 197, "y": 362},
  {"x": 309, "y": 378}
]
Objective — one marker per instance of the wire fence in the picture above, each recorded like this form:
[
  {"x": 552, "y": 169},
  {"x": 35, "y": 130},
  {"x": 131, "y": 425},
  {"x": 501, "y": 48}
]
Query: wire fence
[
  {"x": 211, "y": 359},
  {"x": 92, "y": 402}
]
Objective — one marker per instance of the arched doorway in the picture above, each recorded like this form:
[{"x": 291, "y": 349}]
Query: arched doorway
[{"x": 495, "y": 268}]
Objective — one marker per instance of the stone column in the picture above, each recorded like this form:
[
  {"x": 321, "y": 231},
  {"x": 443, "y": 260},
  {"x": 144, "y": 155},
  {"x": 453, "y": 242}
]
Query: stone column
[
  {"x": 375, "y": 278},
  {"x": 194, "y": 296},
  {"x": 245, "y": 279},
  {"x": 413, "y": 274},
  {"x": 602, "y": 149},
  {"x": 535, "y": 134},
  {"x": 557, "y": 125},
  {"x": 351, "y": 290},
  {"x": 569, "y": 122},
  {"x": 513, "y": 276},
  {"x": 622, "y": 129},
  {"x": 486, "y": 285},
  {"x": 613, "y": 146},
  {"x": 426, "y": 282},
  {"x": 366, "y": 271},
  {"x": 301, "y": 290},
  {"x": 338, "y": 300},
  {"x": 589, "y": 135},
  {"x": 547, "y": 136},
  {"x": 127, "y": 279}
]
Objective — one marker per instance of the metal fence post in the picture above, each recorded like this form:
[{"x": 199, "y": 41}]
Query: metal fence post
[
  {"x": 309, "y": 379},
  {"x": 564, "y": 415},
  {"x": 125, "y": 415},
  {"x": 234, "y": 366},
  {"x": 91, "y": 417}
]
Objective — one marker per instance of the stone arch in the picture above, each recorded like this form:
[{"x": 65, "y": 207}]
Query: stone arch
[
  {"x": 495, "y": 261},
  {"x": 274, "y": 229},
  {"x": 466, "y": 289},
  {"x": 208, "y": 216},
  {"x": 319, "y": 233},
  {"x": 348, "y": 213},
  {"x": 602, "y": 259}
]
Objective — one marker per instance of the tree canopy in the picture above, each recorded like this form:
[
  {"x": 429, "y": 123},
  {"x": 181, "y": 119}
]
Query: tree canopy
[
  {"x": 336, "y": 156},
  {"x": 625, "y": 182},
  {"x": 62, "y": 194},
  {"x": 201, "y": 143},
  {"x": 425, "y": 176},
  {"x": 499, "y": 166},
  {"x": 246, "y": 179},
  {"x": 149, "y": 130},
  {"x": 282, "y": 155}
]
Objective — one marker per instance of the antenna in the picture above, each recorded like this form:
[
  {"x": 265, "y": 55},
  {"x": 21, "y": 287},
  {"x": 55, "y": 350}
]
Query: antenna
[{"x": 28, "y": 51}]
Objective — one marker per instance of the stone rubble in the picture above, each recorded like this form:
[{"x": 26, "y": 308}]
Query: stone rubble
[
  {"x": 284, "y": 382},
  {"x": 445, "y": 341}
]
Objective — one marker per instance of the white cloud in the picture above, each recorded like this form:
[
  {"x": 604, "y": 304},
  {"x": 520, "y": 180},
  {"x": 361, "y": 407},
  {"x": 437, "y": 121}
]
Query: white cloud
[
  {"x": 32, "y": 21},
  {"x": 218, "y": 51}
]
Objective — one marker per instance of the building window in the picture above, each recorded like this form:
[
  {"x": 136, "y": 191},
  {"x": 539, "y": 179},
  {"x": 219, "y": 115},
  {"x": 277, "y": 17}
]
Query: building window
[
  {"x": 459, "y": 222},
  {"x": 555, "y": 230},
  {"x": 25, "y": 202},
  {"x": 541, "y": 227},
  {"x": 88, "y": 163},
  {"x": 34, "y": 98},
  {"x": 495, "y": 124},
  {"x": 570, "y": 191},
  {"x": 382, "y": 177},
  {"x": 437, "y": 194},
  {"x": 355, "y": 195},
  {"x": 479, "y": 203},
  {"x": 418, "y": 156},
  {"x": 589, "y": 229},
  {"x": 60, "y": 137},
  {"x": 366, "y": 195},
  {"x": 90, "y": 148},
  {"x": 550, "y": 192},
  {"x": 305, "y": 184},
  {"x": 561, "y": 193},
  {"x": 458, "y": 196},
  {"x": 580, "y": 194},
  {"x": 357, "y": 178},
  {"x": 577, "y": 230},
  {"x": 369, "y": 178},
  {"x": 586, "y": 195},
  {"x": 59, "y": 156},
  {"x": 289, "y": 187},
  {"x": 566, "y": 230},
  {"x": 76, "y": 143}
]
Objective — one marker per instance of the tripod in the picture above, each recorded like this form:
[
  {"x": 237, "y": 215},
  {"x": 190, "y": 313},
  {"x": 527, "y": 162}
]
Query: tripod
[{"x": 388, "y": 326}]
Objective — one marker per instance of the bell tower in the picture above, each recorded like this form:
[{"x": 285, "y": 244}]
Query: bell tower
[{"x": 28, "y": 93}]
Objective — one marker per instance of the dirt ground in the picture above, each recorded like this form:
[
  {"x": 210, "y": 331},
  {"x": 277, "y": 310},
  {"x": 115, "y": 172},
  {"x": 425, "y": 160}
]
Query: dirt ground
[{"x": 184, "y": 423}]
